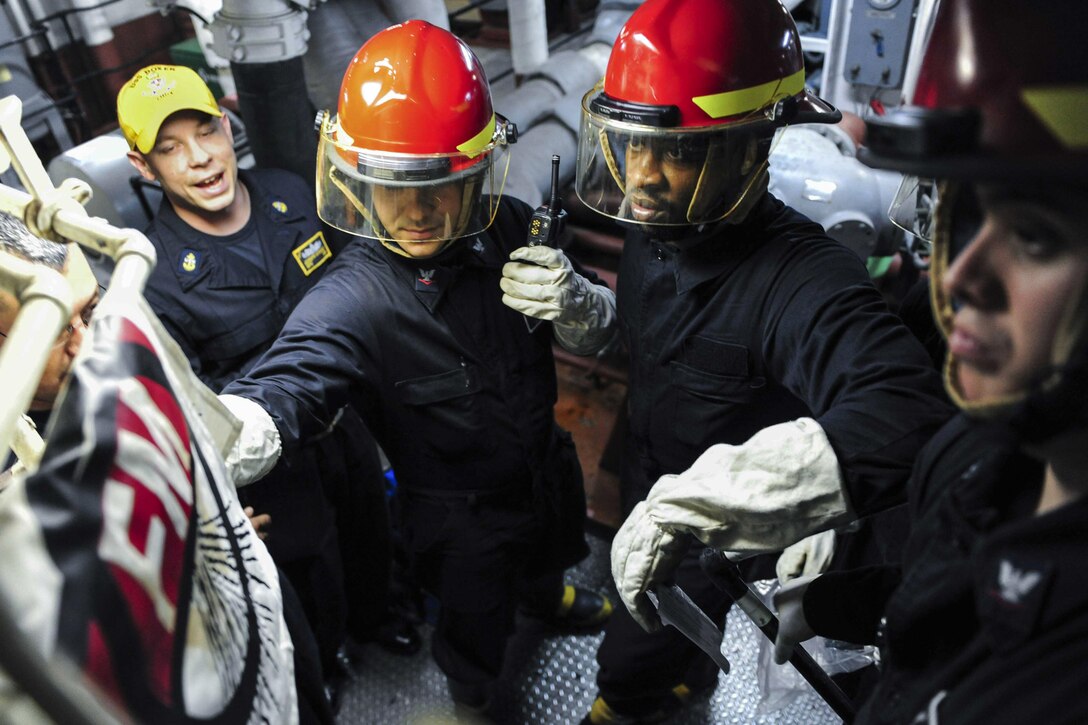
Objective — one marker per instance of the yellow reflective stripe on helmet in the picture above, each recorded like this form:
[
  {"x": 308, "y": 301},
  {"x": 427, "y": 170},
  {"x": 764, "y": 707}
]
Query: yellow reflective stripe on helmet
[
  {"x": 732, "y": 103},
  {"x": 479, "y": 143},
  {"x": 1062, "y": 110}
]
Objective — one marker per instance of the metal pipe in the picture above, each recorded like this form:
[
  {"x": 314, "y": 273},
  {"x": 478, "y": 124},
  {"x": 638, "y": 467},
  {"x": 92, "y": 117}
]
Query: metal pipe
[
  {"x": 342, "y": 26},
  {"x": 35, "y": 35},
  {"x": 433, "y": 11},
  {"x": 278, "y": 114},
  {"x": 94, "y": 25},
  {"x": 528, "y": 35},
  {"x": 530, "y": 168},
  {"x": 45, "y": 305}
]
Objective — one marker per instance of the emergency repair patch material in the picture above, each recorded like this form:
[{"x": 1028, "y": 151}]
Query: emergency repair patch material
[
  {"x": 189, "y": 261},
  {"x": 312, "y": 253}
]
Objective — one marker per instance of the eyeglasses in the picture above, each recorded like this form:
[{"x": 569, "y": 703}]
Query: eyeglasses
[{"x": 84, "y": 319}]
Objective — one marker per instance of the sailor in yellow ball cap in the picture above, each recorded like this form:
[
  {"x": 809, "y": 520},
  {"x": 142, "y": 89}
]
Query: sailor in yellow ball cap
[{"x": 237, "y": 251}]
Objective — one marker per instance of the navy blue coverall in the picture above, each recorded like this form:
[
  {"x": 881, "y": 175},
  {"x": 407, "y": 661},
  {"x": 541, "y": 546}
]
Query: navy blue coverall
[
  {"x": 987, "y": 618},
  {"x": 461, "y": 397},
  {"x": 732, "y": 329}
]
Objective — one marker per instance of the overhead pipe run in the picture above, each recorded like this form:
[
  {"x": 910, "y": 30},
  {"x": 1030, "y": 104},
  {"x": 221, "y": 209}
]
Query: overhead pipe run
[
  {"x": 342, "y": 26},
  {"x": 547, "y": 106},
  {"x": 265, "y": 41},
  {"x": 528, "y": 35},
  {"x": 813, "y": 169}
]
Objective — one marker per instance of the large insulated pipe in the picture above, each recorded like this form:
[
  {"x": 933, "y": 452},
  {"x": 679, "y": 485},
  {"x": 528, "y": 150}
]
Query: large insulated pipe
[
  {"x": 340, "y": 28},
  {"x": 433, "y": 11},
  {"x": 546, "y": 106},
  {"x": 568, "y": 72},
  {"x": 278, "y": 115},
  {"x": 528, "y": 35},
  {"x": 264, "y": 40},
  {"x": 94, "y": 26},
  {"x": 530, "y": 163}
]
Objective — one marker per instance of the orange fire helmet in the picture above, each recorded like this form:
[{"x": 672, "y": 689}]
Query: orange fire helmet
[{"x": 414, "y": 126}]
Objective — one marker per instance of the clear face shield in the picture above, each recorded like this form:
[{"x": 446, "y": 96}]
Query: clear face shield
[
  {"x": 913, "y": 210},
  {"x": 957, "y": 220},
  {"x": 413, "y": 203},
  {"x": 667, "y": 176}
]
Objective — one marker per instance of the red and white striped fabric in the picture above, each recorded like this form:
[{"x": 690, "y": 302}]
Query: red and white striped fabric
[{"x": 128, "y": 552}]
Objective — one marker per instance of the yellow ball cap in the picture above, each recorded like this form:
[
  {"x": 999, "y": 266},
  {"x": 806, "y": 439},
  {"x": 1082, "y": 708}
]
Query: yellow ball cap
[{"x": 155, "y": 92}]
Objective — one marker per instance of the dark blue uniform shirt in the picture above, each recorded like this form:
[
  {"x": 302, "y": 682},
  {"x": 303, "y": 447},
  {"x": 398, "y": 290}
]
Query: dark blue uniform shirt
[
  {"x": 222, "y": 311},
  {"x": 769, "y": 320}
]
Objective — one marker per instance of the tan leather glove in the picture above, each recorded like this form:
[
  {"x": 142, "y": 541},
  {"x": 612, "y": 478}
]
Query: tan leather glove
[
  {"x": 781, "y": 485},
  {"x": 808, "y": 557},
  {"x": 540, "y": 282}
]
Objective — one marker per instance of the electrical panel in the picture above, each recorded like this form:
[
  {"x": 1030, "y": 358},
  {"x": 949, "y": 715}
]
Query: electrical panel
[{"x": 877, "y": 42}]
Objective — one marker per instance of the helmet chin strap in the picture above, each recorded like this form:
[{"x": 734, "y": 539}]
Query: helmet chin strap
[
  {"x": 610, "y": 160},
  {"x": 752, "y": 193},
  {"x": 680, "y": 234},
  {"x": 393, "y": 246}
]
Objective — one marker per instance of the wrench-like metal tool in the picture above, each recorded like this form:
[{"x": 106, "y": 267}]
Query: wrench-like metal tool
[{"x": 675, "y": 607}]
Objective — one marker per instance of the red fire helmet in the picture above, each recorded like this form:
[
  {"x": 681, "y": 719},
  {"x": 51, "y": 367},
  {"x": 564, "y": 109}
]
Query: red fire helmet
[
  {"x": 688, "y": 77},
  {"x": 982, "y": 112}
]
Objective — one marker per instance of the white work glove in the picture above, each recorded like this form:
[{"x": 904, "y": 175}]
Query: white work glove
[
  {"x": 644, "y": 554},
  {"x": 781, "y": 485},
  {"x": 808, "y": 557},
  {"x": 258, "y": 446},
  {"x": 540, "y": 282},
  {"x": 793, "y": 628}
]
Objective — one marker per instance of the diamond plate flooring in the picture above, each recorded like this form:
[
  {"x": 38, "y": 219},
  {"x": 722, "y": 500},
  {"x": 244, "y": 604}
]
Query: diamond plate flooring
[{"x": 550, "y": 678}]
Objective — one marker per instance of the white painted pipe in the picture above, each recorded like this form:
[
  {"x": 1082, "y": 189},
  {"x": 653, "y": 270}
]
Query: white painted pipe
[
  {"x": 433, "y": 11},
  {"x": 528, "y": 35},
  {"x": 93, "y": 23},
  {"x": 46, "y": 301},
  {"x": 21, "y": 25}
]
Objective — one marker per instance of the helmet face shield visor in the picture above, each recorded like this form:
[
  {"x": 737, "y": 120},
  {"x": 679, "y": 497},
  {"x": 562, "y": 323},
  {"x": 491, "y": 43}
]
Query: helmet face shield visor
[
  {"x": 955, "y": 222},
  {"x": 407, "y": 199},
  {"x": 912, "y": 210},
  {"x": 666, "y": 176}
]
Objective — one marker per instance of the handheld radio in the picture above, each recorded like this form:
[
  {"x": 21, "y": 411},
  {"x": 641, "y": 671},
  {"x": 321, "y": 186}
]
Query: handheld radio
[
  {"x": 548, "y": 219},
  {"x": 546, "y": 225}
]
